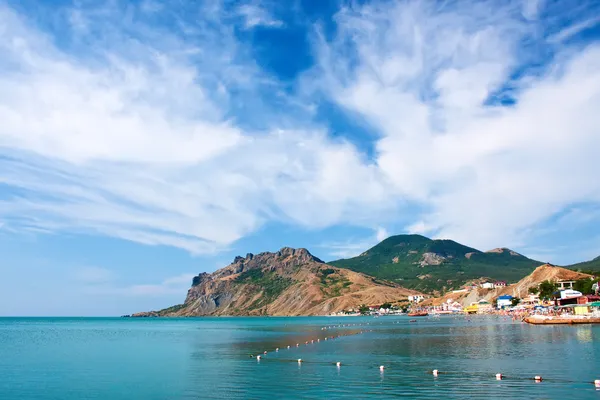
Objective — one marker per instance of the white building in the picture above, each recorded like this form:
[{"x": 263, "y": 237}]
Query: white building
[
  {"x": 487, "y": 285},
  {"x": 417, "y": 298}
]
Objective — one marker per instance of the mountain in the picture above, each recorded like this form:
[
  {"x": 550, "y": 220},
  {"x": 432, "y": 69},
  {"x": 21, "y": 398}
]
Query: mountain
[
  {"x": 592, "y": 266},
  {"x": 288, "y": 282},
  {"x": 427, "y": 265}
]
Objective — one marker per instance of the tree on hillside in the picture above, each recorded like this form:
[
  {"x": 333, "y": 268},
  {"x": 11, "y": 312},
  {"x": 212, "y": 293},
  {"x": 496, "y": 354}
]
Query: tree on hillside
[
  {"x": 534, "y": 290},
  {"x": 515, "y": 301},
  {"x": 387, "y": 306},
  {"x": 547, "y": 289},
  {"x": 584, "y": 285},
  {"x": 364, "y": 309}
]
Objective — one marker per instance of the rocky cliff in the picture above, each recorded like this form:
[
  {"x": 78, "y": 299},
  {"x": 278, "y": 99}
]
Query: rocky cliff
[{"x": 287, "y": 282}]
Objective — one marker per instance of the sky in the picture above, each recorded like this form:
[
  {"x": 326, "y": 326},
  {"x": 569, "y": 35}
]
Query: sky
[{"x": 144, "y": 142}]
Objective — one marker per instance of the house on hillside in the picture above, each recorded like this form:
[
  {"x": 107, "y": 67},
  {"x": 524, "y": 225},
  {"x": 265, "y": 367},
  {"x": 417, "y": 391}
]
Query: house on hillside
[
  {"x": 504, "y": 301},
  {"x": 417, "y": 298},
  {"x": 499, "y": 284},
  {"x": 487, "y": 285}
]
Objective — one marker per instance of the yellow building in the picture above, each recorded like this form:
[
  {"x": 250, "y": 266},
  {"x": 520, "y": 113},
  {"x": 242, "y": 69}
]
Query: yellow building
[
  {"x": 581, "y": 309},
  {"x": 472, "y": 309}
]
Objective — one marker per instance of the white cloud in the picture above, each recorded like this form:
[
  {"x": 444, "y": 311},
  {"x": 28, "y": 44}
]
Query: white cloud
[
  {"x": 381, "y": 234},
  {"x": 139, "y": 132},
  {"x": 352, "y": 248},
  {"x": 573, "y": 30},
  {"x": 531, "y": 8},
  {"x": 421, "y": 75},
  {"x": 254, "y": 14},
  {"x": 133, "y": 141}
]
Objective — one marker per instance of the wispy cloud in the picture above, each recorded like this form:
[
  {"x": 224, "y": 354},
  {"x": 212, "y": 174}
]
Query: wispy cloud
[
  {"x": 352, "y": 248},
  {"x": 427, "y": 79},
  {"x": 573, "y": 30},
  {"x": 255, "y": 14},
  {"x": 169, "y": 135}
]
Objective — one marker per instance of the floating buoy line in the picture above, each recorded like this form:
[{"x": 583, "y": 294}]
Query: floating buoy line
[{"x": 435, "y": 372}]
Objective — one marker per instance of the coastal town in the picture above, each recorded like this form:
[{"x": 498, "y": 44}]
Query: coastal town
[{"x": 567, "y": 297}]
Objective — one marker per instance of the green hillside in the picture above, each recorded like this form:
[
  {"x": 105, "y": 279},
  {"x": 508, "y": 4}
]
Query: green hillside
[
  {"x": 420, "y": 263},
  {"x": 588, "y": 267}
]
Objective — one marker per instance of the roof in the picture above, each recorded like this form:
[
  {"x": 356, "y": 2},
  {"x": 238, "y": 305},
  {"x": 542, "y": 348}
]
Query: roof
[{"x": 505, "y": 297}]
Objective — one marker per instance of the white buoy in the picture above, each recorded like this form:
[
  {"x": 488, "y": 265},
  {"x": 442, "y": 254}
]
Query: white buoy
[
  {"x": 537, "y": 378},
  {"x": 258, "y": 358},
  {"x": 435, "y": 372},
  {"x": 597, "y": 383},
  {"x": 499, "y": 377},
  {"x": 299, "y": 361},
  {"x": 338, "y": 364}
]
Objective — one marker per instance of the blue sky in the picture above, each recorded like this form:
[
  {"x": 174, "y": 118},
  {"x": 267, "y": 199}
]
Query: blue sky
[{"x": 143, "y": 142}]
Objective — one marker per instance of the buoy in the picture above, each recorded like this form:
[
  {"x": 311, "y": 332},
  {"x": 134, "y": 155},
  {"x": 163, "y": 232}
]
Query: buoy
[
  {"x": 499, "y": 377},
  {"x": 338, "y": 364},
  {"x": 435, "y": 372},
  {"x": 299, "y": 360},
  {"x": 381, "y": 368},
  {"x": 597, "y": 383},
  {"x": 537, "y": 378},
  {"x": 258, "y": 358}
]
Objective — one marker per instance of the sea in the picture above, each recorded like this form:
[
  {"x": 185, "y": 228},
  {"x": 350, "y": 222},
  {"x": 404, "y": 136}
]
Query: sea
[{"x": 215, "y": 358}]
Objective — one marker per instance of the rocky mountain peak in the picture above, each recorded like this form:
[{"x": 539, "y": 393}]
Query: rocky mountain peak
[{"x": 503, "y": 250}]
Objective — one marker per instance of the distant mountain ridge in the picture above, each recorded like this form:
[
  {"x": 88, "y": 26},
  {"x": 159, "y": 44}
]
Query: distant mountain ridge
[
  {"x": 587, "y": 266},
  {"x": 428, "y": 265},
  {"x": 287, "y": 282}
]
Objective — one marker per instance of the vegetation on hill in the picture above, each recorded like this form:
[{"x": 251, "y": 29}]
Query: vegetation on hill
[
  {"x": 588, "y": 267},
  {"x": 420, "y": 263}
]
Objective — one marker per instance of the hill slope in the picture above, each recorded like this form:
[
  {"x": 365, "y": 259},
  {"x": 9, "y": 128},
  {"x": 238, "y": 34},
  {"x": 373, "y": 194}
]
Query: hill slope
[
  {"x": 420, "y": 263},
  {"x": 288, "y": 282},
  {"x": 519, "y": 289},
  {"x": 587, "y": 266}
]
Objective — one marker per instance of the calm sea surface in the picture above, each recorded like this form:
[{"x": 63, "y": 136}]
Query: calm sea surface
[{"x": 209, "y": 358}]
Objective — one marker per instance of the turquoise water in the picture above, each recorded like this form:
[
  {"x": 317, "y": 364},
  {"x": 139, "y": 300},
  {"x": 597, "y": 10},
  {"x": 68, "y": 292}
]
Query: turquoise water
[{"x": 209, "y": 358}]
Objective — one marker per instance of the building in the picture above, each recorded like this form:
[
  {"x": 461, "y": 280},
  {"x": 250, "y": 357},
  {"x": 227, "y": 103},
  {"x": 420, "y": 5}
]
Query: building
[
  {"x": 586, "y": 299},
  {"x": 484, "y": 307},
  {"x": 568, "y": 296},
  {"x": 500, "y": 284},
  {"x": 417, "y": 298},
  {"x": 505, "y": 301},
  {"x": 487, "y": 285},
  {"x": 564, "y": 285}
]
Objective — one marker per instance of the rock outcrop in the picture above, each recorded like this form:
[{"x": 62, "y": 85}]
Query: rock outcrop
[{"x": 287, "y": 282}]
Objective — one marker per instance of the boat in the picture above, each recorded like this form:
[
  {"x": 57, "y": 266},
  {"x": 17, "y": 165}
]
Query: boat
[
  {"x": 418, "y": 314},
  {"x": 561, "y": 320}
]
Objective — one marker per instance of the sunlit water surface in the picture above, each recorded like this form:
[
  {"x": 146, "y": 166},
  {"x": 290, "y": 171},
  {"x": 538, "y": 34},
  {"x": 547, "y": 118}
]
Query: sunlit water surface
[{"x": 209, "y": 358}]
